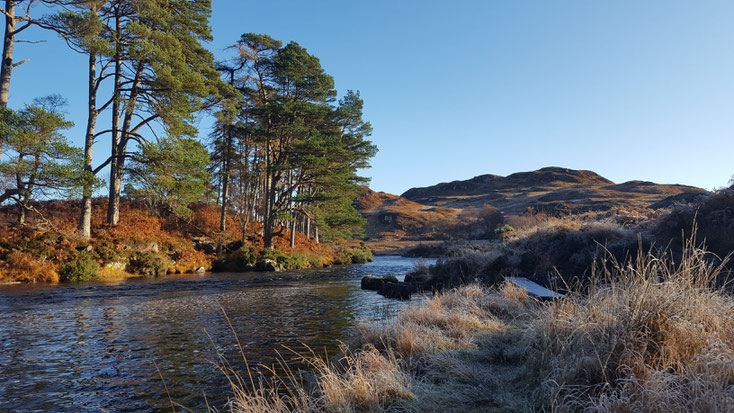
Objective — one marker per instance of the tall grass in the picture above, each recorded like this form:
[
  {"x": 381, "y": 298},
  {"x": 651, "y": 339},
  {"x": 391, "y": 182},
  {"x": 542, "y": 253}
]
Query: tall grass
[
  {"x": 652, "y": 333},
  {"x": 649, "y": 334}
]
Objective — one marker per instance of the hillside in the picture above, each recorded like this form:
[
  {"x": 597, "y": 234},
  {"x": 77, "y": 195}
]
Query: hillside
[
  {"x": 427, "y": 213},
  {"x": 548, "y": 189},
  {"x": 391, "y": 217}
]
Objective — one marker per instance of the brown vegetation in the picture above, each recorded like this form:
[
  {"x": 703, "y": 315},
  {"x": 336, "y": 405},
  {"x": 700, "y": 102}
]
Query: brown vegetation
[
  {"x": 477, "y": 209},
  {"x": 647, "y": 334},
  {"x": 557, "y": 251},
  {"x": 143, "y": 243}
]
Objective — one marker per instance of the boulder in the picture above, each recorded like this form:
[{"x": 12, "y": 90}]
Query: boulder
[
  {"x": 268, "y": 266},
  {"x": 200, "y": 270},
  {"x": 400, "y": 291},
  {"x": 373, "y": 283}
]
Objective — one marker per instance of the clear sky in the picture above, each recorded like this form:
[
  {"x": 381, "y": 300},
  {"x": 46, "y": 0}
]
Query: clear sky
[{"x": 628, "y": 89}]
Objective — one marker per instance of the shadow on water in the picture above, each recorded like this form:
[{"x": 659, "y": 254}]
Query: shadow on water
[{"x": 92, "y": 346}]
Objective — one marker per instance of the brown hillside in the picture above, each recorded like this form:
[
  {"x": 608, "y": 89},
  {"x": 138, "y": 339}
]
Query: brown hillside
[
  {"x": 450, "y": 210},
  {"x": 392, "y": 216},
  {"x": 548, "y": 189}
]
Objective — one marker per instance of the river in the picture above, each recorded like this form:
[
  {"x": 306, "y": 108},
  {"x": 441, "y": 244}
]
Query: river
[{"x": 95, "y": 346}]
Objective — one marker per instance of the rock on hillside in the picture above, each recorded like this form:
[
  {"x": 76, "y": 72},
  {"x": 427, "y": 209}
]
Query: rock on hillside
[{"x": 549, "y": 189}]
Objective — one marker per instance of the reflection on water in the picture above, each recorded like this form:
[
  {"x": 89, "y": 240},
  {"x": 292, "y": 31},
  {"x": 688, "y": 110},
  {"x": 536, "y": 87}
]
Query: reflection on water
[{"x": 92, "y": 346}]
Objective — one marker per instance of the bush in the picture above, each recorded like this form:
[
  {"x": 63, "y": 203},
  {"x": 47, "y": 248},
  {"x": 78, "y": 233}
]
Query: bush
[
  {"x": 81, "y": 268},
  {"x": 107, "y": 253},
  {"x": 353, "y": 256},
  {"x": 243, "y": 257},
  {"x": 504, "y": 230},
  {"x": 295, "y": 261},
  {"x": 147, "y": 263},
  {"x": 270, "y": 254},
  {"x": 249, "y": 255}
]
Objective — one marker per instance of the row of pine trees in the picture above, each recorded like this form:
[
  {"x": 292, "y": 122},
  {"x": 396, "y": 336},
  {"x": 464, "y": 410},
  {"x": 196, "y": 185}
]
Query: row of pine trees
[{"x": 283, "y": 151}]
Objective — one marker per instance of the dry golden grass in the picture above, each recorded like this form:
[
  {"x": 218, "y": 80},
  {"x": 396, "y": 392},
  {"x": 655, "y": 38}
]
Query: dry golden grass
[
  {"x": 647, "y": 335},
  {"x": 110, "y": 273},
  {"x": 21, "y": 267},
  {"x": 445, "y": 322},
  {"x": 376, "y": 372},
  {"x": 650, "y": 334}
]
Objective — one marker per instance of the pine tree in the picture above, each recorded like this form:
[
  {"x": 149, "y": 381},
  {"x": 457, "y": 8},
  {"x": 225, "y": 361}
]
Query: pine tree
[
  {"x": 38, "y": 158},
  {"x": 170, "y": 174}
]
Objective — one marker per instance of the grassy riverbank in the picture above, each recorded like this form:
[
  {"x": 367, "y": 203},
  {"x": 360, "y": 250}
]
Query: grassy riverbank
[
  {"x": 49, "y": 249},
  {"x": 645, "y": 335}
]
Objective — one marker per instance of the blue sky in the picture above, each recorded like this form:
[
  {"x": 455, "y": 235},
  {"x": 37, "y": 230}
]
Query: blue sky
[{"x": 629, "y": 89}]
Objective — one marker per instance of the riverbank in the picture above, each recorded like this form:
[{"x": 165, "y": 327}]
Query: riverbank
[
  {"x": 49, "y": 249},
  {"x": 646, "y": 335},
  {"x": 91, "y": 346}
]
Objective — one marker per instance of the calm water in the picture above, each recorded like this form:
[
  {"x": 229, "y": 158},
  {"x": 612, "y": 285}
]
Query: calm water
[{"x": 92, "y": 347}]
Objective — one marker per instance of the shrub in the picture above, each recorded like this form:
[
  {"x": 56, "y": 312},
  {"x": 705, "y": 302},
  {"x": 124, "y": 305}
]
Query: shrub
[
  {"x": 271, "y": 254},
  {"x": 359, "y": 255},
  {"x": 81, "y": 268},
  {"x": 147, "y": 263},
  {"x": 107, "y": 253},
  {"x": 504, "y": 230},
  {"x": 295, "y": 261},
  {"x": 249, "y": 255}
]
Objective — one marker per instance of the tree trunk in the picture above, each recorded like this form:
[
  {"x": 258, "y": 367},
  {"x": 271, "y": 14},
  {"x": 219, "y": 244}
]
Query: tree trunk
[
  {"x": 269, "y": 200},
  {"x": 293, "y": 231},
  {"x": 316, "y": 237},
  {"x": 86, "y": 219},
  {"x": 225, "y": 181},
  {"x": 6, "y": 67},
  {"x": 113, "y": 204},
  {"x": 21, "y": 214},
  {"x": 113, "y": 209}
]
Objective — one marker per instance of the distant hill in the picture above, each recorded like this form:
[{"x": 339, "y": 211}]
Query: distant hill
[
  {"x": 547, "y": 189},
  {"x": 554, "y": 190},
  {"x": 392, "y": 215}
]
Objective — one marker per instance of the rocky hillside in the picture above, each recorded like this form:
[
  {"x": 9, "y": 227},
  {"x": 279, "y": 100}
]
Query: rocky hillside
[
  {"x": 553, "y": 190},
  {"x": 423, "y": 213}
]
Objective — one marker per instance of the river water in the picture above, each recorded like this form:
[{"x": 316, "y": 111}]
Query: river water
[{"x": 95, "y": 347}]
